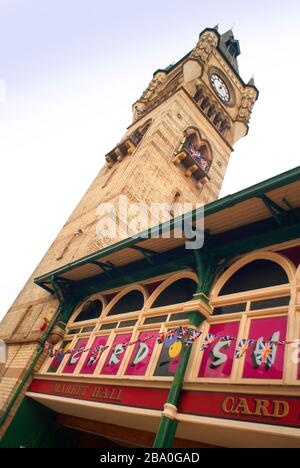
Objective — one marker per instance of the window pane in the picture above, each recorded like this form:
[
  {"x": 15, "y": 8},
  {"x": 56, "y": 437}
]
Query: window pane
[
  {"x": 267, "y": 303},
  {"x": 74, "y": 331},
  {"x": 109, "y": 326},
  {"x": 231, "y": 309},
  {"x": 256, "y": 275},
  {"x": 131, "y": 302},
  {"x": 158, "y": 319},
  {"x": 129, "y": 323},
  {"x": 87, "y": 329},
  {"x": 179, "y": 291},
  {"x": 56, "y": 361},
  {"x": 90, "y": 310},
  {"x": 182, "y": 316}
]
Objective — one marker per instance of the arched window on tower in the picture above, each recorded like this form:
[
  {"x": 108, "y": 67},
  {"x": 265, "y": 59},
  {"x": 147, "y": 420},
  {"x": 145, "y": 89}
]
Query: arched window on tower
[
  {"x": 194, "y": 155},
  {"x": 224, "y": 126},
  {"x": 199, "y": 96},
  {"x": 212, "y": 111}
]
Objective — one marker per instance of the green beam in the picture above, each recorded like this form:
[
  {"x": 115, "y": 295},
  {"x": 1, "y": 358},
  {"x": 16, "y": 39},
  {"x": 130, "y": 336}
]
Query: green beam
[
  {"x": 276, "y": 211},
  {"x": 273, "y": 236},
  {"x": 291, "y": 208},
  {"x": 148, "y": 254},
  {"x": 105, "y": 270}
]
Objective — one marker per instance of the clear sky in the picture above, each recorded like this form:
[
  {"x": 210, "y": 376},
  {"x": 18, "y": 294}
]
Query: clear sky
[{"x": 69, "y": 73}]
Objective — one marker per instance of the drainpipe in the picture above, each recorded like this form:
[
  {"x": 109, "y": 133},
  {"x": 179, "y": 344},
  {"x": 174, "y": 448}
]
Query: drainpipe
[{"x": 168, "y": 425}]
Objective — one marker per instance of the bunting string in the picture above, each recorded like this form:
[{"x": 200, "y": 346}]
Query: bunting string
[
  {"x": 264, "y": 350},
  {"x": 95, "y": 351}
]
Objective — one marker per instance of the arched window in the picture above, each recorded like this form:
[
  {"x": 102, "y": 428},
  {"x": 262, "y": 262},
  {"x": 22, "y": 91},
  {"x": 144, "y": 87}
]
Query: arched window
[
  {"x": 205, "y": 104},
  {"x": 194, "y": 154},
  {"x": 211, "y": 111},
  {"x": 198, "y": 95},
  {"x": 224, "y": 126},
  {"x": 90, "y": 310},
  {"x": 255, "y": 275},
  {"x": 130, "y": 302},
  {"x": 267, "y": 277},
  {"x": 180, "y": 291},
  {"x": 217, "y": 119}
]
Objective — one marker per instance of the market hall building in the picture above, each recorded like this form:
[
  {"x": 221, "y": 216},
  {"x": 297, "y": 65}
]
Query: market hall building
[{"x": 138, "y": 341}]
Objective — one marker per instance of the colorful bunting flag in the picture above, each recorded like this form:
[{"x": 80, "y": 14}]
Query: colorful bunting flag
[
  {"x": 208, "y": 340},
  {"x": 264, "y": 353},
  {"x": 242, "y": 348}
]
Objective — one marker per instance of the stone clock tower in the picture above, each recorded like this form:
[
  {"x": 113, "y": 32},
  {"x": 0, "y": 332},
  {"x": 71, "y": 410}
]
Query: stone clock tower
[
  {"x": 176, "y": 150},
  {"x": 184, "y": 127}
]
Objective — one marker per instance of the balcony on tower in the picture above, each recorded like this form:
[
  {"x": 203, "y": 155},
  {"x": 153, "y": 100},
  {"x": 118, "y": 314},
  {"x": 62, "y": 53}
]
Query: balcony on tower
[
  {"x": 195, "y": 157},
  {"x": 127, "y": 146}
]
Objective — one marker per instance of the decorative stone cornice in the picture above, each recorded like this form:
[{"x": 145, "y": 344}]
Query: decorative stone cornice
[{"x": 247, "y": 102}]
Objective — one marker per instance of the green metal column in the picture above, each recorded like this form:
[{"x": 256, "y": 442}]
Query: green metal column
[{"x": 167, "y": 428}]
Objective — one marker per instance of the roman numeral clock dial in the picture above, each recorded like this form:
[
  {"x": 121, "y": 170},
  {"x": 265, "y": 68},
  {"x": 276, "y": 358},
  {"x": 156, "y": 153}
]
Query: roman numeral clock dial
[{"x": 220, "y": 87}]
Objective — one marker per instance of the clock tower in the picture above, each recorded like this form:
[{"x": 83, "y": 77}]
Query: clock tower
[
  {"x": 184, "y": 128},
  {"x": 176, "y": 150}
]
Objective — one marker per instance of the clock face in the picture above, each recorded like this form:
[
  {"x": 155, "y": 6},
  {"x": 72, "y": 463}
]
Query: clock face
[{"x": 220, "y": 87}]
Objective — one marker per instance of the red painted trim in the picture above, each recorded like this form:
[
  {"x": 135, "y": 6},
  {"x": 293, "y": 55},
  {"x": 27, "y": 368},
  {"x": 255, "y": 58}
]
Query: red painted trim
[
  {"x": 137, "y": 397},
  {"x": 212, "y": 404},
  {"x": 248, "y": 408}
]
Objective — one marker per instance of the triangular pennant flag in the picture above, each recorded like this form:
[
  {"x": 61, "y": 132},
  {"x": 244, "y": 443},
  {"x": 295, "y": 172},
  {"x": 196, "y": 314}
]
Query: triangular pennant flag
[
  {"x": 208, "y": 340},
  {"x": 242, "y": 347}
]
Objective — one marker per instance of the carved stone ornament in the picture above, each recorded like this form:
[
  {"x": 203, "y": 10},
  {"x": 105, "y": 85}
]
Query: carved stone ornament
[
  {"x": 207, "y": 43},
  {"x": 152, "y": 88},
  {"x": 248, "y": 100}
]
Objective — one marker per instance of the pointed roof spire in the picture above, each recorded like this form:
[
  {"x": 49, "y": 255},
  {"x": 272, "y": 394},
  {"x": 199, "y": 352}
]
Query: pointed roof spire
[
  {"x": 216, "y": 27},
  {"x": 251, "y": 82},
  {"x": 230, "y": 48},
  {"x": 227, "y": 35}
]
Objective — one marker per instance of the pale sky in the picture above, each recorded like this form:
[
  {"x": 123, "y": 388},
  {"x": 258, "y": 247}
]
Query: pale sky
[{"x": 70, "y": 71}]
